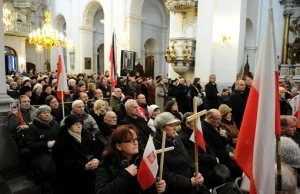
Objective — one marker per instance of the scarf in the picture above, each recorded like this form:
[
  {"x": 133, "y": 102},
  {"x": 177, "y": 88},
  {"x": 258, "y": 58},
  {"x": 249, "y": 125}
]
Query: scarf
[
  {"x": 21, "y": 119},
  {"x": 77, "y": 136}
]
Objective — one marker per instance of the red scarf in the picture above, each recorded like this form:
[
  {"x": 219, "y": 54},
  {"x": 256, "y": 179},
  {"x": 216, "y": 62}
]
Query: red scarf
[{"x": 21, "y": 119}]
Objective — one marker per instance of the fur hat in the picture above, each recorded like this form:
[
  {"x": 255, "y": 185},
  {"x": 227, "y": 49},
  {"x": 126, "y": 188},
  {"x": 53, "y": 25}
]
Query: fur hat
[
  {"x": 76, "y": 102},
  {"x": 164, "y": 119},
  {"x": 25, "y": 79},
  {"x": 152, "y": 108},
  {"x": 224, "y": 109},
  {"x": 71, "y": 80},
  {"x": 43, "y": 108},
  {"x": 71, "y": 120},
  {"x": 36, "y": 86},
  {"x": 25, "y": 89},
  {"x": 290, "y": 152}
]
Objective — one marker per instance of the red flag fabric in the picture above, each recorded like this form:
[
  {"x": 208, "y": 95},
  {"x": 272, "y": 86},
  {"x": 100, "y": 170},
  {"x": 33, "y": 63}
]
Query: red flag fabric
[
  {"x": 256, "y": 143},
  {"x": 113, "y": 79},
  {"x": 199, "y": 136},
  {"x": 62, "y": 85},
  {"x": 149, "y": 166}
]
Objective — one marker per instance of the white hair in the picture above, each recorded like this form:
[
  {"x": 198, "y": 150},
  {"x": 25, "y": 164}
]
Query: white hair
[
  {"x": 128, "y": 103},
  {"x": 76, "y": 103}
]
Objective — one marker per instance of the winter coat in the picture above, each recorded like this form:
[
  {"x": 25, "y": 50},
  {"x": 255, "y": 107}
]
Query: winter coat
[
  {"x": 181, "y": 98},
  {"x": 196, "y": 92},
  {"x": 212, "y": 100},
  {"x": 116, "y": 104},
  {"x": 70, "y": 157},
  {"x": 161, "y": 96},
  {"x": 58, "y": 113},
  {"x": 231, "y": 128},
  {"x": 237, "y": 101}
]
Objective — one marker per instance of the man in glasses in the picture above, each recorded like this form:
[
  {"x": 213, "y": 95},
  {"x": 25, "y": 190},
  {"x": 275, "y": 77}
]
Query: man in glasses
[{"x": 218, "y": 141}]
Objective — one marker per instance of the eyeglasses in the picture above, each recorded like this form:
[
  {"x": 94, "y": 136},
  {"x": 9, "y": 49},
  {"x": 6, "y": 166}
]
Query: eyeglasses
[
  {"x": 216, "y": 119},
  {"x": 131, "y": 141}
]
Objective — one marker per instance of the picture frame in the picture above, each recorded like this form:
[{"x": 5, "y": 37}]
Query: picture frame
[
  {"x": 127, "y": 62},
  {"x": 87, "y": 63}
]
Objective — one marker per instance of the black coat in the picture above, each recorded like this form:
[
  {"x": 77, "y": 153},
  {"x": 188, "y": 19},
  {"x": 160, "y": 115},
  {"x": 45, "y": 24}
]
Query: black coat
[
  {"x": 285, "y": 107},
  {"x": 70, "y": 157},
  {"x": 58, "y": 113},
  {"x": 142, "y": 126},
  {"x": 98, "y": 118},
  {"x": 212, "y": 100},
  {"x": 112, "y": 178},
  {"x": 38, "y": 135},
  {"x": 178, "y": 166},
  {"x": 35, "y": 99},
  {"x": 181, "y": 98},
  {"x": 194, "y": 92},
  {"x": 237, "y": 101}
]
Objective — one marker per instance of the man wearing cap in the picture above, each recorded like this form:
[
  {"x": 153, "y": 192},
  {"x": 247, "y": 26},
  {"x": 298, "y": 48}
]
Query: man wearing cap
[
  {"x": 154, "y": 111},
  {"x": 41, "y": 139},
  {"x": 217, "y": 139},
  {"x": 20, "y": 118},
  {"x": 132, "y": 118},
  {"x": 89, "y": 122},
  {"x": 237, "y": 101}
]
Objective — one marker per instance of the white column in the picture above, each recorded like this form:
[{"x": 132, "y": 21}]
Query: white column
[
  {"x": 8, "y": 152},
  {"x": 176, "y": 21},
  {"x": 204, "y": 45},
  {"x": 95, "y": 67},
  {"x": 85, "y": 50},
  {"x": 134, "y": 24}
]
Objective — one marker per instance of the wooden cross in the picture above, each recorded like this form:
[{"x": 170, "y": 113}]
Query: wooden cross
[{"x": 194, "y": 118}]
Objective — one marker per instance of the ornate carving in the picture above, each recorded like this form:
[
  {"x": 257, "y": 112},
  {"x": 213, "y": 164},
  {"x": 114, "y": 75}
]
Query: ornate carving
[
  {"x": 294, "y": 51},
  {"x": 186, "y": 54}
]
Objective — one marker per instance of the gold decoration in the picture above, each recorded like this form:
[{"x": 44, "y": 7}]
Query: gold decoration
[
  {"x": 181, "y": 6},
  {"x": 8, "y": 20},
  {"x": 48, "y": 37}
]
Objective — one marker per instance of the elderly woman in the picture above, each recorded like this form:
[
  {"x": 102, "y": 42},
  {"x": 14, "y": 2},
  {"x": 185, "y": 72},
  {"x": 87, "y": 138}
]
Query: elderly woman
[
  {"x": 178, "y": 165},
  {"x": 98, "y": 111},
  {"x": 36, "y": 93},
  {"x": 228, "y": 124},
  {"x": 161, "y": 93},
  {"x": 118, "y": 171},
  {"x": 41, "y": 139},
  {"x": 75, "y": 158}
]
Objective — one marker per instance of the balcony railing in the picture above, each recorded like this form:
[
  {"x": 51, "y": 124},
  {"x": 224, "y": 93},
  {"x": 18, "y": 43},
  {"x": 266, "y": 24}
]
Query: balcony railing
[{"x": 21, "y": 29}]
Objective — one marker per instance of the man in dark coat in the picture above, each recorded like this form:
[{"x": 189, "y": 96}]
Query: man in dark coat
[
  {"x": 181, "y": 92},
  {"x": 285, "y": 107},
  {"x": 217, "y": 139},
  {"x": 212, "y": 93},
  {"x": 237, "y": 101},
  {"x": 132, "y": 118},
  {"x": 56, "y": 110}
]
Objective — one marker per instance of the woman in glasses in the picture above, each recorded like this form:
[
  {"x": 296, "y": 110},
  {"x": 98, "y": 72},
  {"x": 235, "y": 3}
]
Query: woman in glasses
[{"x": 118, "y": 171}]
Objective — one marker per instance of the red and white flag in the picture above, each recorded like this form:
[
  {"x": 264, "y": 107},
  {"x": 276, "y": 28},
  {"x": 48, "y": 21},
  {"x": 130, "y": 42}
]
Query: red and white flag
[
  {"x": 256, "y": 143},
  {"x": 62, "y": 83},
  {"x": 112, "y": 59},
  {"x": 149, "y": 166},
  {"x": 199, "y": 136}
]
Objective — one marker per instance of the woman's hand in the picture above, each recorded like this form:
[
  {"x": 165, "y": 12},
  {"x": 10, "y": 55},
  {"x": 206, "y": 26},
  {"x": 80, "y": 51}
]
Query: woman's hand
[
  {"x": 132, "y": 169},
  {"x": 91, "y": 165},
  {"x": 197, "y": 180},
  {"x": 160, "y": 186}
]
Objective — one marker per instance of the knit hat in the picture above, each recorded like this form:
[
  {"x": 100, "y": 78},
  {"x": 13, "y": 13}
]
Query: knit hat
[
  {"x": 71, "y": 80},
  {"x": 71, "y": 120},
  {"x": 25, "y": 79},
  {"x": 290, "y": 152},
  {"x": 12, "y": 83},
  {"x": 36, "y": 86},
  {"x": 224, "y": 109},
  {"x": 164, "y": 119},
  {"x": 76, "y": 102},
  {"x": 25, "y": 89},
  {"x": 43, "y": 108},
  {"x": 152, "y": 108}
]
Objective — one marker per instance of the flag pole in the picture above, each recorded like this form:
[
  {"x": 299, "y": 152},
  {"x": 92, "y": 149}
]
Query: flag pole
[
  {"x": 63, "y": 104},
  {"x": 162, "y": 156},
  {"x": 195, "y": 137}
]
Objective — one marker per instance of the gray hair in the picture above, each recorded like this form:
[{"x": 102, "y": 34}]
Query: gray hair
[
  {"x": 76, "y": 103},
  {"x": 289, "y": 181},
  {"x": 128, "y": 103}
]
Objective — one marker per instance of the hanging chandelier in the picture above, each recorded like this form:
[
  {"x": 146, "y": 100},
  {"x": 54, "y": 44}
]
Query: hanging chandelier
[
  {"x": 47, "y": 37},
  {"x": 8, "y": 20}
]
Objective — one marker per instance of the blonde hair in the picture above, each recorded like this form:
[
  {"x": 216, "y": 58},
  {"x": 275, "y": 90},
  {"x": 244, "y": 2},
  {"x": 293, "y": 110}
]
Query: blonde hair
[
  {"x": 97, "y": 105},
  {"x": 91, "y": 85}
]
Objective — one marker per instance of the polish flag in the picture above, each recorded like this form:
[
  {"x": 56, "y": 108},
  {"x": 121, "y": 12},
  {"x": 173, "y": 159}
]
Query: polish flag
[
  {"x": 62, "y": 85},
  {"x": 149, "y": 166},
  {"x": 199, "y": 136},
  {"x": 256, "y": 143}
]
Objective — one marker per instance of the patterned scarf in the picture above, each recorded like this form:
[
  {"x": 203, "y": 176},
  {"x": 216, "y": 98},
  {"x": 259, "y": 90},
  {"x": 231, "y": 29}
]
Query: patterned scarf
[{"x": 77, "y": 136}]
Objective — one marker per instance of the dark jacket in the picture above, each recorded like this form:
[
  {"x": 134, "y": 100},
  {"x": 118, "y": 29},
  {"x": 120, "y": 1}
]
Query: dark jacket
[
  {"x": 181, "y": 98},
  {"x": 58, "y": 113},
  {"x": 142, "y": 126},
  {"x": 112, "y": 178},
  {"x": 35, "y": 99},
  {"x": 70, "y": 157},
  {"x": 178, "y": 166},
  {"x": 212, "y": 100},
  {"x": 195, "y": 92},
  {"x": 237, "y": 101},
  {"x": 98, "y": 118},
  {"x": 285, "y": 107}
]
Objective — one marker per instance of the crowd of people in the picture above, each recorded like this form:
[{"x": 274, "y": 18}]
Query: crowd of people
[{"x": 94, "y": 142}]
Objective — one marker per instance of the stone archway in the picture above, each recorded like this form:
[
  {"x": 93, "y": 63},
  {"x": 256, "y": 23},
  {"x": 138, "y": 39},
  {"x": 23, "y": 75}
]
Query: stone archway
[
  {"x": 151, "y": 51},
  {"x": 250, "y": 48}
]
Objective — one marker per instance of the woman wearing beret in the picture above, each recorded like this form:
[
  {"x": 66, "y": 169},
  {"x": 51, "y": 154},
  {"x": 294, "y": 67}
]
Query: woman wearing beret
[
  {"x": 75, "y": 158},
  {"x": 41, "y": 139},
  {"x": 178, "y": 170},
  {"x": 117, "y": 174}
]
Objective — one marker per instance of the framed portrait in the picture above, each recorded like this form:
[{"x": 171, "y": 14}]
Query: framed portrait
[
  {"x": 127, "y": 62},
  {"x": 87, "y": 63}
]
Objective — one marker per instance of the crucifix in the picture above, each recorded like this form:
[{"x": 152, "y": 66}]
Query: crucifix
[{"x": 195, "y": 118}]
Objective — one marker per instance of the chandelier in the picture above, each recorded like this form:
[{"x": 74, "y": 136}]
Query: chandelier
[
  {"x": 181, "y": 6},
  {"x": 8, "y": 20},
  {"x": 47, "y": 37}
]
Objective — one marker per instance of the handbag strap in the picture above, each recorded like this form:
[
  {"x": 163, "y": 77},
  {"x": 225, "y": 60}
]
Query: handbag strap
[{"x": 196, "y": 89}]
